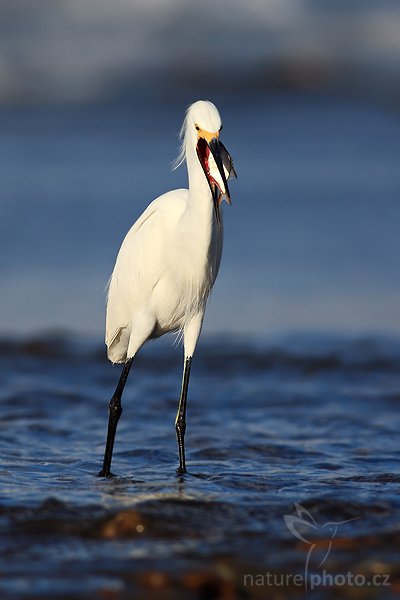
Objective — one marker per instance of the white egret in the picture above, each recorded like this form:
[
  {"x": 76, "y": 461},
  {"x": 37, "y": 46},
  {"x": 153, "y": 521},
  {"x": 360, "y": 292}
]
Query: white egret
[{"x": 168, "y": 262}]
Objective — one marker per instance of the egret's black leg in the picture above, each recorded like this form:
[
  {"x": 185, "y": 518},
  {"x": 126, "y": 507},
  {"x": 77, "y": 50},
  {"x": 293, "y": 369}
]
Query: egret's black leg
[
  {"x": 180, "y": 421},
  {"x": 115, "y": 411}
]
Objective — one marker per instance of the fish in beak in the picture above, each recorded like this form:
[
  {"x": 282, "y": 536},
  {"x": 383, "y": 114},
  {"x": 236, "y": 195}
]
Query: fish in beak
[{"x": 218, "y": 168}]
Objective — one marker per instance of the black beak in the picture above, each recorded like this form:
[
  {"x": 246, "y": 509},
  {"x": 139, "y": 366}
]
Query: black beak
[
  {"x": 215, "y": 147},
  {"x": 224, "y": 162}
]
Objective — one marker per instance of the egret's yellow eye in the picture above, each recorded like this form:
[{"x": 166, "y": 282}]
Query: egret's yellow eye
[{"x": 197, "y": 127}]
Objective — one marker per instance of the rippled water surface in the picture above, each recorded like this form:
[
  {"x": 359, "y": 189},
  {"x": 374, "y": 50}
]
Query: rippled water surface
[{"x": 306, "y": 426}]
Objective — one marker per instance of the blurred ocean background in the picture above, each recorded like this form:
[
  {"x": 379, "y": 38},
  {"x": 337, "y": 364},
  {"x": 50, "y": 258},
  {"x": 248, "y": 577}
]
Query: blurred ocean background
[
  {"x": 296, "y": 383},
  {"x": 92, "y": 96}
]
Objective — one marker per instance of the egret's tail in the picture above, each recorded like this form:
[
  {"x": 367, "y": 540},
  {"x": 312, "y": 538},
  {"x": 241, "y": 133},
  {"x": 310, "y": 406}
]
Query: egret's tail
[{"x": 117, "y": 346}]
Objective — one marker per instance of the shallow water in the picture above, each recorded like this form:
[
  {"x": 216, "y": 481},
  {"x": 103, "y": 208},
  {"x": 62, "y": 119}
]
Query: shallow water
[{"x": 307, "y": 420}]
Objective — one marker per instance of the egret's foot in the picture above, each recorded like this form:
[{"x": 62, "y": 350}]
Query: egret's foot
[
  {"x": 109, "y": 475},
  {"x": 181, "y": 470}
]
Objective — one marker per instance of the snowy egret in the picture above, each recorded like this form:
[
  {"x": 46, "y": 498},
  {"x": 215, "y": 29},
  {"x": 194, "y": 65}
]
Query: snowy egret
[{"x": 168, "y": 262}]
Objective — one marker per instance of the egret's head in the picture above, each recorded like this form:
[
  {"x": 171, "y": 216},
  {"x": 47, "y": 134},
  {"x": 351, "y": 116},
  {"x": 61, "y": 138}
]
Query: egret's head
[
  {"x": 205, "y": 118},
  {"x": 201, "y": 129}
]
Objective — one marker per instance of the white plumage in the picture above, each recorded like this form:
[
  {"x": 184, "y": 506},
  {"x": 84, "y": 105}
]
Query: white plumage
[{"x": 168, "y": 261}]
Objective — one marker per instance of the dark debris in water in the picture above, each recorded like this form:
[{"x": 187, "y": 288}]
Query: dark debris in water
[
  {"x": 373, "y": 478},
  {"x": 222, "y": 573}
]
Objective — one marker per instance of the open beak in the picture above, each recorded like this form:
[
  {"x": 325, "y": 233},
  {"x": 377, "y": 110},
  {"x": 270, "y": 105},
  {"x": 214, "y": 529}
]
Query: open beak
[{"x": 218, "y": 168}]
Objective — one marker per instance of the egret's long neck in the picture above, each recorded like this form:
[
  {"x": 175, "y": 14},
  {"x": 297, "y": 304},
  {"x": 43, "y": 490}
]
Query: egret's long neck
[
  {"x": 201, "y": 225},
  {"x": 199, "y": 190}
]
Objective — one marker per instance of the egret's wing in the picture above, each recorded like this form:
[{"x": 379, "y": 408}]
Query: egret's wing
[
  {"x": 124, "y": 286},
  {"x": 137, "y": 270}
]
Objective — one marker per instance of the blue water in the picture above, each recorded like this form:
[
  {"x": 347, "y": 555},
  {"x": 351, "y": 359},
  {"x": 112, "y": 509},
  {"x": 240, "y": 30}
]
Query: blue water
[
  {"x": 311, "y": 240},
  {"x": 308, "y": 420}
]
